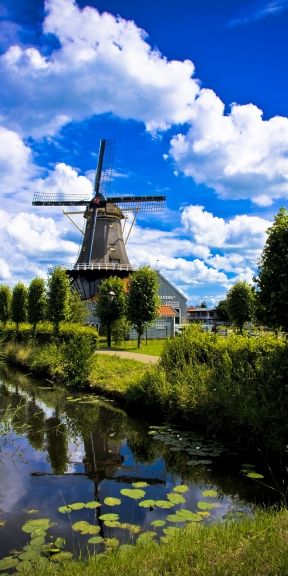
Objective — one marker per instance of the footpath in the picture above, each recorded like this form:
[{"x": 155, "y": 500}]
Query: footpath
[{"x": 146, "y": 358}]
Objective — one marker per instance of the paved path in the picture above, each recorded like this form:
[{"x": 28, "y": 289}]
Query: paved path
[{"x": 146, "y": 358}]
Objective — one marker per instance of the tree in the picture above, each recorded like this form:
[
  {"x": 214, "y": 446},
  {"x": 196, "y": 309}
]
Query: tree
[
  {"x": 272, "y": 278},
  {"x": 5, "y": 303},
  {"x": 143, "y": 299},
  {"x": 19, "y": 304},
  {"x": 36, "y": 302},
  {"x": 240, "y": 304},
  {"x": 222, "y": 311},
  {"x": 111, "y": 305},
  {"x": 78, "y": 308},
  {"x": 58, "y": 298}
]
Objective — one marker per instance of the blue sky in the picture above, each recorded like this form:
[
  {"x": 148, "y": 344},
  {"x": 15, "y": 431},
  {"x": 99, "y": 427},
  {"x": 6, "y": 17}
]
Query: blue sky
[{"x": 193, "y": 92}]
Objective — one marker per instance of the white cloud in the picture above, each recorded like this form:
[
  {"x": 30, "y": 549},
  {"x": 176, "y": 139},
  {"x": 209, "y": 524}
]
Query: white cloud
[
  {"x": 98, "y": 54},
  {"x": 16, "y": 165},
  {"x": 239, "y": 154}
]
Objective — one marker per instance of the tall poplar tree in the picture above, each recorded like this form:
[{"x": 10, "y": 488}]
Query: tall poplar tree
[
  {"x": 143, "y": 300},
  {"x": 111, "y": 305},
  {"x": 5, "y": 303},
  {"x": 58, "y": 298},
  {"x": 19, "y": 304},
  {"x": 36, "y": 302}
]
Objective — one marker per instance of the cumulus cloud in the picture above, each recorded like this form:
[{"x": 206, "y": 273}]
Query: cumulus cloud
[
  {"x": 16, "y": 164},
  {"x": 239, "y": 154},
  {"x": 98, "y": 53}
]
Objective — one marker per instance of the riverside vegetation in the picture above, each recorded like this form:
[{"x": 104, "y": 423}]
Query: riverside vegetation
[{"x": 232, "y": 386}]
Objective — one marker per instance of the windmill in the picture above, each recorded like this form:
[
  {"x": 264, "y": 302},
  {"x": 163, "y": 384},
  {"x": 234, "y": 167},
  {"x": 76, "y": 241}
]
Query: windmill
[{"x": 103, "y": 251}]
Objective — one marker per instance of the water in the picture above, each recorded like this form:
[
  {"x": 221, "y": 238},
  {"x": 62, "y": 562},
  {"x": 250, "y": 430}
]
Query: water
[{"x": 57, "y": 450}]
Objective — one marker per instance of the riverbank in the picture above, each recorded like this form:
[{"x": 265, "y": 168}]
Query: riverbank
[
  {"x": 229, "y": 387},
  {"x": 250, "y": 547}
]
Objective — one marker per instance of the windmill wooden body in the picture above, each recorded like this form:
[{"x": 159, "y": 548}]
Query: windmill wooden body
[{"x": 103, "y": 249}]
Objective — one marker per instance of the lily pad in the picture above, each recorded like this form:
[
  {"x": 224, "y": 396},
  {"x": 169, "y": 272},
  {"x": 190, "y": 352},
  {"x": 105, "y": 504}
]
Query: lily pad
[
  {"x": 31, "y": 554},
  {"x": 110, "y": 517},
  {"x": 176, "y": 498},
  {"x": 64, "y": 509},
  {"x": 147, "y": 503},
  {"x": 112, "y": 523},
  {"x": 210, "y": 493},
  {"x": 207, "y": 505},
  {"x": 109, "y": 501},
  {"x": 2, "y": 523},
  {"x": 77, "y": 505},
  {"x": 133, "y": 528},
  {"x": 171, "y": 530},
  {"x": 95, "y": 540},
  {"x": 92, "y": 504},
  {"x": 181, "y": 488},
  {"x": 188, "y": 515},
  {"x": 23, "y": 566},
  {"x": 85, "y": 528},
  {"x": 62, "y": 556},
  {"x": 175, "y": 518},
  {"x": 112, "y": 542},
  {"x": 164, "y": 504},
  {"x": 139, "y": 484},
  {"x": 134, "y": 493},
  {"x": 8, "y": 562},
  {"x": 32, "y": 526},
  {"x": 158, "y": 523},
  {"x": 254, "y": 475}
]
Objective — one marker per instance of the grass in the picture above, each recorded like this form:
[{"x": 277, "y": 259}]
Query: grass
[
  {"x": 153, "y": 347},
  {"x": 249, "y": 547},
  {"x": 114, "y": 375}
]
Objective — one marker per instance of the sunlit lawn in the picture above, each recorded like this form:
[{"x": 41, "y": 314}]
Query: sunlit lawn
[{"x": 153, "y": 347}]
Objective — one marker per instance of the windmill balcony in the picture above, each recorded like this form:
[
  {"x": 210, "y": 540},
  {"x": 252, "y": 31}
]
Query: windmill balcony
[{"x": 96, "y": 266}]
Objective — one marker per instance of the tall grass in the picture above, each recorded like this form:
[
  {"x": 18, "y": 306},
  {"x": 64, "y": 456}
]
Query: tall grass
[{"x": 250, "y": 547}]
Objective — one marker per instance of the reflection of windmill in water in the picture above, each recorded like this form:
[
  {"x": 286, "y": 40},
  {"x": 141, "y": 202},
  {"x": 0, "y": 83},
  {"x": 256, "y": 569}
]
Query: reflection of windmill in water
[{"x": 103, "y": 250}]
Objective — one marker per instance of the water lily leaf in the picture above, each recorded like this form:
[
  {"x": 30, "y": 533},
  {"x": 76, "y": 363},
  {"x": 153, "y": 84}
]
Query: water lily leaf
[
  {"x": 31, "y": 554},
  {"x": 112, "y": 523},
  {"x": 77, "y": 505},
  {"x": 147, "y": 503},
  {"x": 254, "y": 475},
  {"x": 64, "y": 509},
  {"x": 207, "y": 505},
  {"x": 111, "y": 517},
  {"x": 38, "y": 541},
  {"x": 135, "y": 493},
  {"x": 8, "y": 562},
  {"x": 164, "y": 504},
  {"x": 95, "y": 540},
  {"x": 188, "y": 515},
  {"x": 62, "y": 556},
  {"x": 205, "y": 462},
  {"x": 176, "y": 498},
  {"x": 23, "y": 566},
  {"x": 2, "y": 523},
  {"x": 175, "y": 518},
  {"x": 133, "y": 528},
  {"x": 210, "y": 493},
  {"x": 203, "y": 513},
  {"x": 146, "y": 537},
  {"x": 112, "y": 542},
  {"x": 85, "y": 528},
  {"x": 112, "y": 501},
  {"x": 92, "y": 504},
  {"x": 140, "y": 484},
  {"x": 60, "y": 542},
  {"x": 181, "y": 488},
  {"x": 158, "y": 523},
  {"x": 152, "y": 432},
  {"x": 32, "y": 526}
]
